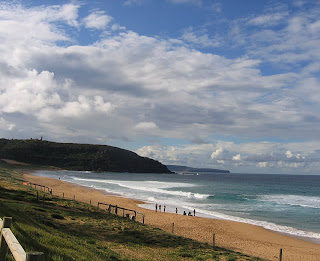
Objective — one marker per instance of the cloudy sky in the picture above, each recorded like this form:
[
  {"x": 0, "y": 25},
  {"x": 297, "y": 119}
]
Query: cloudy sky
[{"x": 224, "y": 84}]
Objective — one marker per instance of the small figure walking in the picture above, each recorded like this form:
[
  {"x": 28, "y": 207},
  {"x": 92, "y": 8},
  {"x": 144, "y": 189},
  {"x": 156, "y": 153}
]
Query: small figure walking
[
  {"x": 194, "y": 212},
  {"x": 176, "y": 210},
  {"x": 164, "y": 208},
  {"x": 156, "y": 207}
]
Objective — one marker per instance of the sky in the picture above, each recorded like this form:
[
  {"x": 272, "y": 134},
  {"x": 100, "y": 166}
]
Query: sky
[{"x": 220, "y": 84}]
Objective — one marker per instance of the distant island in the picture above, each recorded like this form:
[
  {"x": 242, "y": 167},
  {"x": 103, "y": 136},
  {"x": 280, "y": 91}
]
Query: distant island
[
  {"x": 72, "y": 156},
  {"x": 185, "y": 169}
]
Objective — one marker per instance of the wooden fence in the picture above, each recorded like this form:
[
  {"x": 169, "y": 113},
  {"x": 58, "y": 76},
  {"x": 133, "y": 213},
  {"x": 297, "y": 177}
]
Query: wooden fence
[
  {"x": 9, "y": 241},
  {"x": 115, "y": 209}
]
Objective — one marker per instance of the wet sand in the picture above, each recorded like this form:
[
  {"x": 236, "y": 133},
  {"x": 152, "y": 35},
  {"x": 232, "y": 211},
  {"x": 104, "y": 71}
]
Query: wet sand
[{"x": 245, "y": 238}]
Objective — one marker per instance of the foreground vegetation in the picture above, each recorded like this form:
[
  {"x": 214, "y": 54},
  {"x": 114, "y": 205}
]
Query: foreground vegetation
[{"x": 70, "y": 230}]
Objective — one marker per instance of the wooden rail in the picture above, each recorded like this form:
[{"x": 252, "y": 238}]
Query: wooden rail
[
  {"x": 37, "y": 185},
  {"x": 9, "y": 241},
  {"x": 117, "y": 208}
]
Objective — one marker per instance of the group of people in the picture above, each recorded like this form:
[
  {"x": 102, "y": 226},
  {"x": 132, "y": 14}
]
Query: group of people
[
  {"x": 189, "y": 214},
  {"x": 184, "y": 212}
]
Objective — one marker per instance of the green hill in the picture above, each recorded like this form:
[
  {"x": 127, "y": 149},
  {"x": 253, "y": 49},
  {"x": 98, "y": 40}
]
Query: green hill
[{"x": 73, "y": 156}]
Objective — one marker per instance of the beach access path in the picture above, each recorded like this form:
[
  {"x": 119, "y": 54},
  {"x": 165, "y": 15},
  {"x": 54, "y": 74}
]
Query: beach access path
[{"x": 241, "y": 237}]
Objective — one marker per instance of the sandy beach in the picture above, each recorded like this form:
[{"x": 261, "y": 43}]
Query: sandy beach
[{"x": 245, "y": 238}]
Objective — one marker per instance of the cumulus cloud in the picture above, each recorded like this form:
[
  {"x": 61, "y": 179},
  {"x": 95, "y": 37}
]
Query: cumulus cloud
[
  {"x": 217, "y": 153},
  {"x": 97, "y": 20},
  {"x": 237, "y": 157},
  {"x": 127, "y": 84},
  {"x": 264, "y": 158},
  {"x": 145, "y": 126},
  {"x": 4, "y": 125}
]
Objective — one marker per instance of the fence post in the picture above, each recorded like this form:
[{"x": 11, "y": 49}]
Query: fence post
[
  {"x": 143, "y": 219},
  {"x": 172, "y": 228},
  {"x": 280, "y": 256},
  {"x": 35, "y": 256},
  {"x": 3, "y": 245},
  {"x": 213, "y": 239}
]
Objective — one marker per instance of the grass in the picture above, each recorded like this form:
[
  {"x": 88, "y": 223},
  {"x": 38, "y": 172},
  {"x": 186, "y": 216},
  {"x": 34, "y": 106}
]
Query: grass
[{"x": 70, "y": 230}]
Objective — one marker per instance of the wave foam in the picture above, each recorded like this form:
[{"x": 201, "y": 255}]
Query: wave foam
[
  {"x": 151, "y": 186},
  {"x": 293, "y": 200},
  {"x": 264, "y": 224}
]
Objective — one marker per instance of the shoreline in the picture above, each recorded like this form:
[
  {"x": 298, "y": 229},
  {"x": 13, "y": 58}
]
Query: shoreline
[{"x": 242, "y": 237}]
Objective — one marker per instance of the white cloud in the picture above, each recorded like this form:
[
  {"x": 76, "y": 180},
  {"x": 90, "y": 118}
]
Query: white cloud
[
  {"x": 5, "y": 125},
  {"x": 261, "y": 157},
  {"x": 97, "y": 20},
  {"x": 218, "y": 152},
  {"x": 262, "y": 164},
  {"x": 289, "y": 154},
  {"x": 145, "y": 126},
  {"x": 127, "y": 85},
  {"x": 199, "y": 38},
  {"x": 268, "y": 19},
  {"x": 237, "y": 157},
  {"x": 196, "y": 2},
  {"x": 101, "y": 106},
  {"x": 133, "y": 2}
]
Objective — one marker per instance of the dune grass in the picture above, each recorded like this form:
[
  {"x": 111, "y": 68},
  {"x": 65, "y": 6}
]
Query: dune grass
[{"x": 69, "y": 230}]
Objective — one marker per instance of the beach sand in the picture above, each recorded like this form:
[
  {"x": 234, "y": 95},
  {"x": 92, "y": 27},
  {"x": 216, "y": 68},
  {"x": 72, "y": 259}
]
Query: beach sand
[{"x": 241, "y": 237}]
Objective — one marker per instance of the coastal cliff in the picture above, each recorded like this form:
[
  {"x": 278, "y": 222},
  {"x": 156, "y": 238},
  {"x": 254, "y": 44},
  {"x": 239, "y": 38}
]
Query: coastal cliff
[{"x": 73, "y": 156}]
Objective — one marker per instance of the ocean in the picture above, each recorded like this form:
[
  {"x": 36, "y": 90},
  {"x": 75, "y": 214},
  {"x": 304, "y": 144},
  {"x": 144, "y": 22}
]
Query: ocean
[{"x": 283, "y": 203}]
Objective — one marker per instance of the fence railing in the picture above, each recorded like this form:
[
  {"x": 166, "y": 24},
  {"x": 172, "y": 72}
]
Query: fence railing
[
  {"x": 115, "y": 209},
  {"x": 9, "y": 241}
]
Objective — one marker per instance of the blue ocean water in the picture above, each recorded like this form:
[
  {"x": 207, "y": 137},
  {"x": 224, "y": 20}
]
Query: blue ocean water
[{"x": 283, "y": 203}]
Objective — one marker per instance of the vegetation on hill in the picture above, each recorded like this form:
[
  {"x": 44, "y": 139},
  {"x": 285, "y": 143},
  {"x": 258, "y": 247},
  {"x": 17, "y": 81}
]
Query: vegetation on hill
[
  {"x": 69, "y": 230},
  {"x": 73, "y": 156}
]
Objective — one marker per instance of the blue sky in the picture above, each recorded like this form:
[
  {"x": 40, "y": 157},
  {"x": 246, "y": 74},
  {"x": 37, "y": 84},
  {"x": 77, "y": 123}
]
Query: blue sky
[{"x": 222, "y": 84}]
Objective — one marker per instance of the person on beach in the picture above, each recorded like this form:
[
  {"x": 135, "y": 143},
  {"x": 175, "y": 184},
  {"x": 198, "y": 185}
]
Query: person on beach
[
  {"x": 164, "y": 208},
  {"x": 184, "y": 213},
  {"x": 194, "y": 212},
  {"x": 156, "y": 207},
  {"x": 160, "y": 208},
  {"x": 189, "y": 214},
  {"x": 176, "y": 210}
]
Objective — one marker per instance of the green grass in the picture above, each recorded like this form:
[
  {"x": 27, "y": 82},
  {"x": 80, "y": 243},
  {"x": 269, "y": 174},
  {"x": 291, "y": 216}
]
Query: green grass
[{"x": 69, "y": 230}]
